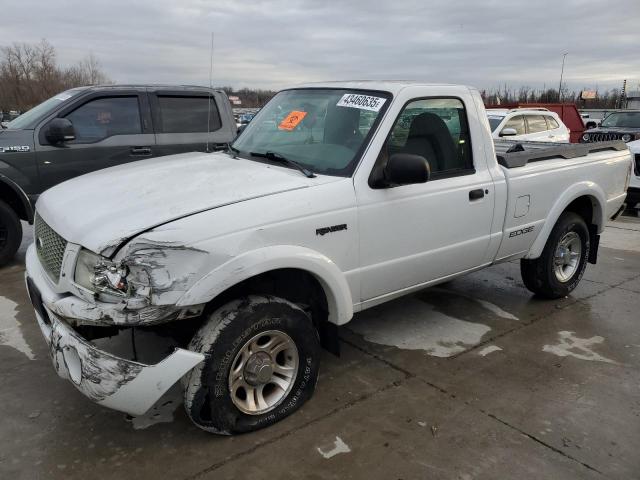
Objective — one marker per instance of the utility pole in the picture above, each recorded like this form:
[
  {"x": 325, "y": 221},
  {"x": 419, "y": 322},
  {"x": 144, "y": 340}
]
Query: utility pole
[{"x": 561, "y": 73}]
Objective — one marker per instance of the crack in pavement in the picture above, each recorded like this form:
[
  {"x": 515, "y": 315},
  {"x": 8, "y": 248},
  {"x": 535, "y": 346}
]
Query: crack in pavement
[{"x": 537, "y": 440}]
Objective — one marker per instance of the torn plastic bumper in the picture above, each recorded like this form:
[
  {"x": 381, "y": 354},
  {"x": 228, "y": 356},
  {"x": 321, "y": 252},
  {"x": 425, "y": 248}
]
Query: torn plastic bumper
[{"x": 108, "y": 380}]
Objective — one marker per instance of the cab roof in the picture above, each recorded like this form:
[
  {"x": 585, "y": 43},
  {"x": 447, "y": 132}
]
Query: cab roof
[{"x": 391, "y": 86}]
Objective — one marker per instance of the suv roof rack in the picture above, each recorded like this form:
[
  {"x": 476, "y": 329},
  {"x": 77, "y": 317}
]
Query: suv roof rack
[{"x": 538, "y": 109}]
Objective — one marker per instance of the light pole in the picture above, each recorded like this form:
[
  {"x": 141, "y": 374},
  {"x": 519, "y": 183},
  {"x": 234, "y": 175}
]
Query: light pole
[{"x": 561, "y": 73}]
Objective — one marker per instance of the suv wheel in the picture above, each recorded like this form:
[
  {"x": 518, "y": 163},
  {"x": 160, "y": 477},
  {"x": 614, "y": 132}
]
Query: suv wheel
[
  {"x": 10, "y": 233},
  {"x": 262, "y": 359}
]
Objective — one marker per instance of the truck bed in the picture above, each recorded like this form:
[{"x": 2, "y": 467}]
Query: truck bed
[{"x": 514, "y": 154}]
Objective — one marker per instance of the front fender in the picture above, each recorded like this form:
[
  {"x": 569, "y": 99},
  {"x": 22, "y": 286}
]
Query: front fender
[
  {"x": 276, "y": 257},
  {"x": 577, "y": 190}
]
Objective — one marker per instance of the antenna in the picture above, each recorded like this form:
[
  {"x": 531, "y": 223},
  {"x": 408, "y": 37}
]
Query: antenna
[{"x": 210, "y": 87}]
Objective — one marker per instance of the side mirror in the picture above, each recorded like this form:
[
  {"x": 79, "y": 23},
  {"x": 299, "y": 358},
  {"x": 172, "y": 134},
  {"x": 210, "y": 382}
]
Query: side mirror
[
  {"x": 60, "y": 130},
  {"x": 508, "y": 132},
  {"x": 406, "y": 169}
]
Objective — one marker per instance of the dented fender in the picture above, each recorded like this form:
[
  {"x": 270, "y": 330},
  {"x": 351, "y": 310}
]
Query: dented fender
[{"x": 262, "y": 260}]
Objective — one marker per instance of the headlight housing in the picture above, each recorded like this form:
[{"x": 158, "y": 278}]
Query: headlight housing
[
  {"x": 585, "y": 137},
  {"x": 626, "y": 137},
  {"x": 100, "y": 275}
]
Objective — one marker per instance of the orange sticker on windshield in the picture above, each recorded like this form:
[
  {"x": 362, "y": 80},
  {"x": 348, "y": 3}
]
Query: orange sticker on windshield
[{"x": 292, "y": 120}]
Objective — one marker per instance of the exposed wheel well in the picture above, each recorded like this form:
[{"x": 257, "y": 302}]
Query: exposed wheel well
[
  {"x": 11, "y": 198},
  {"x": 583, "y": 206},
  {"x": 295, "y": 285},
  {"x": 587, "y": 208}
]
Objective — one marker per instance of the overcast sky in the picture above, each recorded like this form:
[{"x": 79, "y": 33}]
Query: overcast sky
[{"x": 275, "y": 43}]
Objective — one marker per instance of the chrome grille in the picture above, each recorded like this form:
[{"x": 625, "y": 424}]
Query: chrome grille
[
  {"x": 604, "y": 137},
  {"x": 50, "y": 247}
]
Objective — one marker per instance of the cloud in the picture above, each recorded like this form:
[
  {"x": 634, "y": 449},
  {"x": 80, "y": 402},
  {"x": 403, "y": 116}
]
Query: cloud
[{"x": 275, "y": 43}]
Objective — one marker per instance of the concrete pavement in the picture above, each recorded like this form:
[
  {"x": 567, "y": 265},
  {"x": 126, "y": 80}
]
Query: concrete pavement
[{"x": 473, "y": 379}]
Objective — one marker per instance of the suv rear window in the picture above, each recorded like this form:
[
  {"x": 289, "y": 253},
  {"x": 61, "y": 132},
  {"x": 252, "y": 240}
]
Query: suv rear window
[
  {"x": 536, "y": 123},
  {"x": 551, "y": 122},
  {"x": 188, "y": 114}
]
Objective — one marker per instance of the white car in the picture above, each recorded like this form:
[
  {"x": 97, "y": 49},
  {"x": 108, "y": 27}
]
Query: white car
[
  {"x": 535, "y": 125},
  {"x": 250, "y": 260}
]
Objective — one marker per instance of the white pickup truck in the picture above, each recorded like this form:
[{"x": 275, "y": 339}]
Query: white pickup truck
[{"x": 337, "y": 197}]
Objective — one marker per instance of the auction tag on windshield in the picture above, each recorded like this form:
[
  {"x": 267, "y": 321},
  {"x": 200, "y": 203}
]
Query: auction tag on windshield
[
  {"x": 292, "y": 120},
  {"x": 363, "y": 102}
]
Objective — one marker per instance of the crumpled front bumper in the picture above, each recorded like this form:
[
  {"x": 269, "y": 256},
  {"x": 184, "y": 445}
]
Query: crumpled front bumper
[{"x": 108, "y": 380}]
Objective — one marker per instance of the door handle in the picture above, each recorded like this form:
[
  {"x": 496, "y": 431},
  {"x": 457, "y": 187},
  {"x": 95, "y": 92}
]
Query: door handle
[
  {"x": 140, "y": 151},
  {"x": 476, "y": 194}
]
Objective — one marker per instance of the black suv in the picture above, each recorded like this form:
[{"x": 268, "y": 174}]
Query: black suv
[
  {"x": 89, "y": 128},
  {"x": 622, "y": 125}
]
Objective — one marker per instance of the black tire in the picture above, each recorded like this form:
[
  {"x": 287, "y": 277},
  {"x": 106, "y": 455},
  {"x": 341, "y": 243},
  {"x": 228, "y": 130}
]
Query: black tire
[
  {"x": 207, "y": 395},
  {"x": 539, "y": 275},
  {"x": 10, "y": 233}
]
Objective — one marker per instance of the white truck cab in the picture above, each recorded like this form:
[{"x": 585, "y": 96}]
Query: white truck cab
[{"x": 337, "y": 197}]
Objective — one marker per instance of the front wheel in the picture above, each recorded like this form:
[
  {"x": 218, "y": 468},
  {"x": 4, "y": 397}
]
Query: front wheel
[
  {"x": 561, "y": 265},
  {"x": 10, "y": 233},
  {"x": 262, "y": 360}
]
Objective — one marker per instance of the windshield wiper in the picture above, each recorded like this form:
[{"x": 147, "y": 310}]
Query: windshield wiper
[
  {"x": 230, "y": 149},
  {"x": 276, "y": 157}
]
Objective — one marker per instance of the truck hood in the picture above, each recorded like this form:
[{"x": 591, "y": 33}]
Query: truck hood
[{"x": 101, "y": 210}]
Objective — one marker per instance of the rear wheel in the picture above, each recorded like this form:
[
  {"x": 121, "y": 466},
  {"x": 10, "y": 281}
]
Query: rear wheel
[
  {"x": 263, "y": 355},
  {"x": 560, "y": 267},
  {"x": 10, "y": 233}
]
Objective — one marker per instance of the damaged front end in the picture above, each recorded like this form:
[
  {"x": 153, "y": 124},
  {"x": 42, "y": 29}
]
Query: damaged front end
[{"x": 92, "y": 297}]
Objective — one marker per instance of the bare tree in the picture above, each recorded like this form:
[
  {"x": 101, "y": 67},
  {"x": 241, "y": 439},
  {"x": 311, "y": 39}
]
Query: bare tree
[{"x": 29, "y": 74}]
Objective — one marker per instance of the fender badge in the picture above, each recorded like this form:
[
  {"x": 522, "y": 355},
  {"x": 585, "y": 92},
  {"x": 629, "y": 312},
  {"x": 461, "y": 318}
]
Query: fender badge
[
  {"x": 15, "y": 148},
  {"x": 333, "y": 228}
]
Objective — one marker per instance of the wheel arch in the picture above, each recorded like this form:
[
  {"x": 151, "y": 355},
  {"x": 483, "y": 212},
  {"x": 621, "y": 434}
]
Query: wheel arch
[
  {"x": 14, "y": 196},
  {"x": 586, "y": 199},
  {"x": 283, "y": 261}
]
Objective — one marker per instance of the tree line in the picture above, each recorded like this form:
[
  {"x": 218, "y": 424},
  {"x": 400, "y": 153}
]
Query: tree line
[
  {"x": 29, "y": 74},
  {"x": 504, "y": 95}
]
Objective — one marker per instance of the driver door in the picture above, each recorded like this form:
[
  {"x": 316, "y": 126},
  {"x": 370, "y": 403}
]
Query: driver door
[
  {"x": 109, "y": 130},
  {"x": 413, "y": 234}
]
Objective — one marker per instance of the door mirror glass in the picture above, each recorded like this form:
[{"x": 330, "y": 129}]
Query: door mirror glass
[
  {"x": 406, "y": 169},
  {"x": 508, "y": 132},
  {"x": 60, "y": 130}
]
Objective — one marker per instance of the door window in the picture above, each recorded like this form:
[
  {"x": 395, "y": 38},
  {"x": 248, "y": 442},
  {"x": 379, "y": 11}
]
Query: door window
[
  {"x": 516, "y": 123},
  {"x": 436, "y": 129},
  {"x": 551, "y": 123},
  {"x": 188, "y": 114},
  {"x": 105, "y": 117},
  {"x": 536, "y": 123}
]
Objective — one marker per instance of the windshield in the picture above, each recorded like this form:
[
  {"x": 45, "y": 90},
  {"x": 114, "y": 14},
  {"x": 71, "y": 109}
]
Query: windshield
[
  {"x": 494, "y": 122},
  {"x": 31, "y": 117},
  {"x": 622, "y": 119},
  {"x": 324, "y": 130}
]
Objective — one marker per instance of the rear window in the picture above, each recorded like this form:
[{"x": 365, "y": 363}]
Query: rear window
[
  {"x": 188, "y": 114},
  {"x": 536, "y": 123},
  {"x": 552, "y": 123}
]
